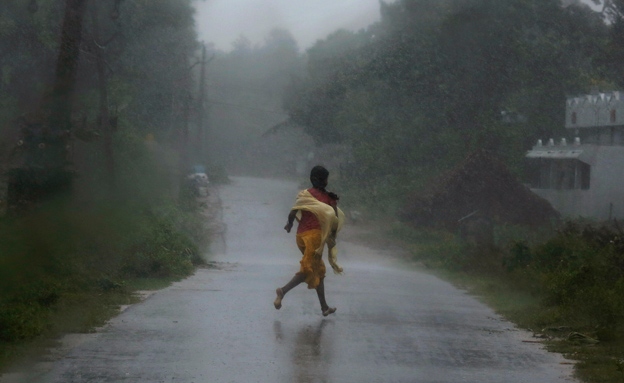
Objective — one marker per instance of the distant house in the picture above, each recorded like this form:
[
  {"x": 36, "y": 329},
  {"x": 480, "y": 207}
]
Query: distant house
[{"x": 584, "y": 176}]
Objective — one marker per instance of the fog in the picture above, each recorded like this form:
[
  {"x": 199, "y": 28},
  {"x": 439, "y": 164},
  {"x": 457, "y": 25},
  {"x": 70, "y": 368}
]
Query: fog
[
  {"x": 222, "y": 21},
  {"x": 481, "y": 137}
]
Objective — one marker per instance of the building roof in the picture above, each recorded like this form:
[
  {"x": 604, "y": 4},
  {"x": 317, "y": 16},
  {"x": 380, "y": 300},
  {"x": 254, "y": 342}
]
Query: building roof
[
  {"x": 586, "y": 153},
  {"x": 595, "y": 110},
  {"x": 595, "y": 99}
]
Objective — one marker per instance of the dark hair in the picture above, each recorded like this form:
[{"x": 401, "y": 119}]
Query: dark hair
[{"x": 318, "y": 177}]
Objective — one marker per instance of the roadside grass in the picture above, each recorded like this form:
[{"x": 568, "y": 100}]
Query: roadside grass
[
  {"x": 551, "y": 282},
  {"x": 65, "y": 270},
  {"x": 79, "y": 312},
  {"x": 67, "y": 265},
  {"x": 76, "y": 313}
]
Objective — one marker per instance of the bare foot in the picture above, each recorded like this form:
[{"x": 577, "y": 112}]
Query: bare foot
[
  {"x": 278, "y": 300},
  {"x": 330, "y": 310}
]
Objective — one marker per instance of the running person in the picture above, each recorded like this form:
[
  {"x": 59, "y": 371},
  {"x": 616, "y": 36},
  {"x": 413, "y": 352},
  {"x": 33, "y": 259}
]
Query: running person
[{"x": 319, "y": 222}]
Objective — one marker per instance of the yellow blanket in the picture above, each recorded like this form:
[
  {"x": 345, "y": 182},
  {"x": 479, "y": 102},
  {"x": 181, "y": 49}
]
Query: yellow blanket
[{"x": 330, "y": 224}]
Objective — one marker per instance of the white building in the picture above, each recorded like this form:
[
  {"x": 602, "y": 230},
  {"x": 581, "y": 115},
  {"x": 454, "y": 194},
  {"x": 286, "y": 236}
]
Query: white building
[{"x": 585, "y": 177}]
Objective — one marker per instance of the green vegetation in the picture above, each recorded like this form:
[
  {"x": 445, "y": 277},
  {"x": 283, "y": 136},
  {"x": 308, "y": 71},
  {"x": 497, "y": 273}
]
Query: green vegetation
[
  {"x": 433, "y": 81},
  {"x": 121, "y": 120},
  {"x": 553, "y": 282},
  {"x": 66, "y": 266}
]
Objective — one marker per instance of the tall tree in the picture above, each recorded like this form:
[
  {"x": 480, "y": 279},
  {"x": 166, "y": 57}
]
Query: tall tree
[{"x": 431, "y": 81}]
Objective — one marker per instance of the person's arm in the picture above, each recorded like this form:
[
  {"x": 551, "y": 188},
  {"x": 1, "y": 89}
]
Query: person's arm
[
  {"x": 291, "y": 219},
  {"x": 334, "y": 203}
]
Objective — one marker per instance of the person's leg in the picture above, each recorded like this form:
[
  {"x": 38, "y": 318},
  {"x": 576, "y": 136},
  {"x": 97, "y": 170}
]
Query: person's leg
[
  {"x": 320, "y": 291},
  {"x": 295, "y": 281},
  {"x": 281, "y": 291}
]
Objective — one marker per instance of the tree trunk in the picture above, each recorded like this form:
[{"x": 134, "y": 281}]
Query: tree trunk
[
  {"x": 104, "y": 122},
  {"x": 56, "y": 107},
  {"x": 60, "y": 103}
]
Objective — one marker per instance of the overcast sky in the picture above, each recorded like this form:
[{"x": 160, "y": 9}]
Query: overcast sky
[{"x": 222, "y": 21}]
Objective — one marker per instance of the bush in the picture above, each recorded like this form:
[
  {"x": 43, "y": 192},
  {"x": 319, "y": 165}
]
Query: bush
[
  {"x": 435, "y": 247},
  {"x": 59, "y": 250},
  {"x": 577, "y": 271},
  {"x": 580, "y": 272},
  {"x": 97, "y": 241}
]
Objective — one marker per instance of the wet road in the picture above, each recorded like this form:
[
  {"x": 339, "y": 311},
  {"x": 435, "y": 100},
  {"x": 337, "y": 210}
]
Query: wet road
[{"x": 392, "y": 324}]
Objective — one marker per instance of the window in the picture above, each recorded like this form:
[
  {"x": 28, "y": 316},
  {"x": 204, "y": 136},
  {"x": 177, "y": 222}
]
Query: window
[
  {"x": 560, "y": 175},
  {"x": 583, "y": 175},
  {"x": 563, "y": 175},
  {"x": 573, "y": 118},
  {"x": 612, "y": 116}
]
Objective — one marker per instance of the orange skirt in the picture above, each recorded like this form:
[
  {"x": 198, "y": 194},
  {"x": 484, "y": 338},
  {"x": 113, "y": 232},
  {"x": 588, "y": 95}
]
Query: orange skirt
[{"x": 311, "y": 266}]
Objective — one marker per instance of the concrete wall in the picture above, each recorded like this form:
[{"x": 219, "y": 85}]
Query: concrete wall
[
  {"x": 605, "y": 197},
  {"x": 595, "y": 110}
]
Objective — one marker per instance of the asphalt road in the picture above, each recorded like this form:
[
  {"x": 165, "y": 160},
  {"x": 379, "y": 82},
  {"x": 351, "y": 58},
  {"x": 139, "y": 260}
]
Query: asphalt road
[{"x": 393, "y": 324}]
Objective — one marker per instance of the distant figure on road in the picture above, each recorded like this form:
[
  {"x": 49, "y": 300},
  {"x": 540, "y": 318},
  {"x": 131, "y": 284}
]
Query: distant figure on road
[{"x": 320, "y": 220}]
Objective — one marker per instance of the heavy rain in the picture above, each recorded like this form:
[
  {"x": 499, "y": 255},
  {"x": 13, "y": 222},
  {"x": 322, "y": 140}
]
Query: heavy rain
[{"x": 311, "y": 191}]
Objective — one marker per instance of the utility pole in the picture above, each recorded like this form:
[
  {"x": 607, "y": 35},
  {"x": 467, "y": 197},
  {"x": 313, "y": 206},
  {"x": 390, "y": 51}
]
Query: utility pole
[
  {"x": 187, "y": 153},
  {"x": 201, "y": 105},
  {"x": 186, "y": 111}
]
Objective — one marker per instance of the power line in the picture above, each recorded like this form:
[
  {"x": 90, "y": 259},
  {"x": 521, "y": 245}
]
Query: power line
[
  {"x": 247, "y": 107},
  {"x": 231, "y": 86}
]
